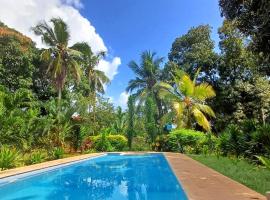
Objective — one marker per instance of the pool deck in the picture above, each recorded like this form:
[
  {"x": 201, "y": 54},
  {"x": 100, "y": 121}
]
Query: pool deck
[
  {"x": 53, "y": 163},
  {"x": 203, "y": 183},
  {"x": 198, "y": 181}
]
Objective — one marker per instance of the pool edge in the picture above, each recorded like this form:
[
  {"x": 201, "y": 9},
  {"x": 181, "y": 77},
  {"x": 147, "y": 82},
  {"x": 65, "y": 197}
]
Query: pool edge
[{"x": 46, "y": 165}]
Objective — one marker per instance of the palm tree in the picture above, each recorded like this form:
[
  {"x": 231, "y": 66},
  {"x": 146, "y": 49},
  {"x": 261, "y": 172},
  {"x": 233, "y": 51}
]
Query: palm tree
[
  {"x": 120, "y": 122},
  {"x": 188, "y": 99},
  {"x": 61, "y": 59},
  {"x": 147, "y": 73},
  {"x": 96, "y": 78}
]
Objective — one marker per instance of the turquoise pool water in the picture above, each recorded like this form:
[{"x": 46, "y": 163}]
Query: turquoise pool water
[{"x": 110, "y": 177}]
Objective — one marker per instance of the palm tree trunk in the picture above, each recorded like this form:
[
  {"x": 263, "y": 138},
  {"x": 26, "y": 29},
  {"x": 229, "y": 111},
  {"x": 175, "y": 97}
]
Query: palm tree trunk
[
  {"x": 59, "y": 100},
  {"x": 94, "y": 111}
]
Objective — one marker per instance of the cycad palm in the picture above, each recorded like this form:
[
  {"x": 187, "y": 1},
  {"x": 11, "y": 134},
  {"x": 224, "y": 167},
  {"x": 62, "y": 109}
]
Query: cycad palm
[
  {"x": 188, "y": 100},
  {"x": 60, "y": 57}
]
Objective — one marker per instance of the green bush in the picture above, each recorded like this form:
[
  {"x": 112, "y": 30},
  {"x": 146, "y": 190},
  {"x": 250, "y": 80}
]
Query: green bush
[
  {"x": 140, "y": 144},
  {"x": 245, "y": 140},
  {"x": 36, "y": 157},
  {"x": 57, "y": 153},
  {"x": 181, "y": 139},
  {"x": 102, "y": 143},
  {"x": 8, "y": 157},
  {"x": 118, "y": 142}
]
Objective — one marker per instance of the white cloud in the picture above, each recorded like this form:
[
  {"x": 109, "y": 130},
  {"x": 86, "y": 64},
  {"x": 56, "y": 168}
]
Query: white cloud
[
  {"x": 75, "y": 3},
  {"x": 110, "y": 68},
  {"x": 123, "y": 99},
  {"x": 23, "y": 14}
]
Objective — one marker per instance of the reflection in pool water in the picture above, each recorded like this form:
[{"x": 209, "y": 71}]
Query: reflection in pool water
[{"x": 111, "y": 177}]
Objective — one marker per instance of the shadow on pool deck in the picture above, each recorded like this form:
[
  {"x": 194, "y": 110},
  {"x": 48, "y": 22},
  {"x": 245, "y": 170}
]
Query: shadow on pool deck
[{"x": 203, "y": 183}]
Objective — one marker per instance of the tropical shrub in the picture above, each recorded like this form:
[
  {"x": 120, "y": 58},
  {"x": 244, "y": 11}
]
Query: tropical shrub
[
  {"x": 265, "y": 161},
  {"x": 118, "y": 142},
  {"x": 36, "y": 157},
  {"x": 105, "y": 142},
  {"x": 8, "y": 157},
  {"x": 245, "y": 140},
  {"x": 140, "y": 144},
  {"x": 57, "y": 153},
  {"x": 101, "y": 143},
  {"x": 191, "y": 140},
  {"x": 161, "y": 143}
]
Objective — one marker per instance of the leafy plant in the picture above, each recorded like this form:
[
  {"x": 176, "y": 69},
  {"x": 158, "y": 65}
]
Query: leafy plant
[
  {"x": 57, "y": 153},
  {"x": 181, "y": 139},
  {"x": 8, "y": 157},
  {"x": 188, "y": 99},
  {"x": 37, "y": 157},
  {"x": 118, "y": 142},
  {"x": 265, "y": 161},
  {"x": 102, "y": 143}
]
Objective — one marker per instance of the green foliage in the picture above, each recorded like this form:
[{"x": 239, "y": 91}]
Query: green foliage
[
  {"x": 140, "y": 144},
  {"x": 249, "y": 15},
  {"x": 188, "y": 100},
  {"x": 195, "y": 50},
  {"x": 102, "y": 143},
  {"x": 150, "y": 125},
  {"x": 265, "y": 161},
  {"x": 57, "y": 153},
  {"x": 8, "y": 157},
  {"x": 246, "y": 140},
  {"x": 131, "y": 119},
  {"x": 118, "y": 142},
  {"x": 37, "y": 156},
  {"x": 190, "y": 140}
]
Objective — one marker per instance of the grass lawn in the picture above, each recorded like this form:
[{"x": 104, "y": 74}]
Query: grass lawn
[{"x": 254, "y": 177}]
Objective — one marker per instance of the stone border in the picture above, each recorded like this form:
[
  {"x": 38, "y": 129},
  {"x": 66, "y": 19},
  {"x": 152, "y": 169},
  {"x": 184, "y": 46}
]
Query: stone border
[
  {"x": 202, "y": 183},
  {"x": 44, "y": 165}
]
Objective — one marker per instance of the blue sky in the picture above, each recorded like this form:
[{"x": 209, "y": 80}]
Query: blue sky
[{"x": 129, "y": 27}]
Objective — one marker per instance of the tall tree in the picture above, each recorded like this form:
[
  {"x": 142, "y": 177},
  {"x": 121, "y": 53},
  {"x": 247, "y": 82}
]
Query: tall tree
[
  {"x": 131, "y": 119},
  {"x": 148, "y": 73},
  {"x": 194, "y": 50},
  {"x": 188, "y": 99},
  {"x": 17, "y": 55},
  {"x": 120, "y": 122},
  {"x": 60, "y": 57},
  {"x": 96, "y": 78},
  {"x": 252, "y": 18},
  {"x": 150, "y": 125}
]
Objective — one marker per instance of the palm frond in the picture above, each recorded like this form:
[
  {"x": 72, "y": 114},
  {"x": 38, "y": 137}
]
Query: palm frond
[
  {"x": 205, "y": 109},
  {"x": 201, "y": 119},
  {"x": 186, "y": 85},
  {"x": 61, "y": 31},
  {"x": 203, "y": 91}
]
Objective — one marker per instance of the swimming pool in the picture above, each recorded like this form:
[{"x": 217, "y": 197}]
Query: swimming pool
[{"x": 109, "y": 177}]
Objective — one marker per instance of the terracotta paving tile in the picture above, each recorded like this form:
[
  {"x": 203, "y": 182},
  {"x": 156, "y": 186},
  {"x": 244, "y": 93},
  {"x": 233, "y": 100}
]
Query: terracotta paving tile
[{"x": 203, "y": 183}]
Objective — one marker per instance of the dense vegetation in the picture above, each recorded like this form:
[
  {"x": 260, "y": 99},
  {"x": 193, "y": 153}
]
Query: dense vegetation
[{"x": 201, "y": 101}]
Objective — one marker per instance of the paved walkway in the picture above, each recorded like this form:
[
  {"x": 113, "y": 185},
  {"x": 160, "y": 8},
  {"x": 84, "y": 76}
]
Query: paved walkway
[{"x": 203, "y": 183}]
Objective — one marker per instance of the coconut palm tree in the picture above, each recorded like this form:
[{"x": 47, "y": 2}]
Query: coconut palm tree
[
  {"x": 147, "y": 73},
  {"x": 96, "y": 78},
  {"x": 188, "y": 100},
  {"x": 61, "y": 59}
]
